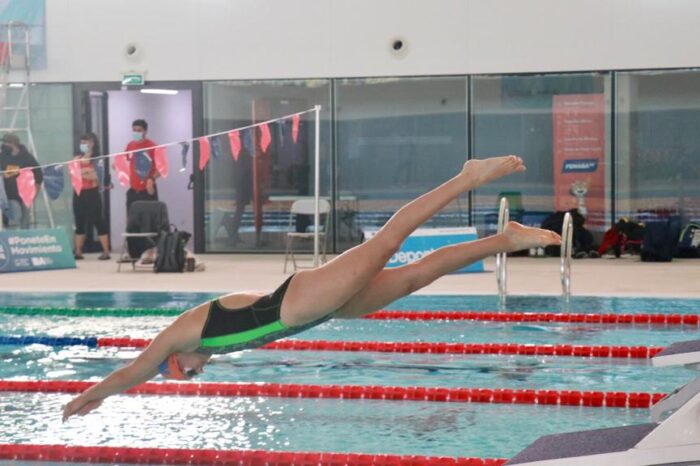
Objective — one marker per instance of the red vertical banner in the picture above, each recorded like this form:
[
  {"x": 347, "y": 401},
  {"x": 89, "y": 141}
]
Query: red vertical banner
[
  {"x": 121, "y": 165},
  {"x": 204, "y": 152},
  {"x": 579, "y": 155},
  {"x": 76, "y": 176},
  {"x": 160, "y": 158}
]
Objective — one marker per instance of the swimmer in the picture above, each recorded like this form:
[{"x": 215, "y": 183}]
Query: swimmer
[{"x": 351, "y": 285}]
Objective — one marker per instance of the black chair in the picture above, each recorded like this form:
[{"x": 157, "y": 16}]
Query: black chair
[{"x": 146, "y": 222}]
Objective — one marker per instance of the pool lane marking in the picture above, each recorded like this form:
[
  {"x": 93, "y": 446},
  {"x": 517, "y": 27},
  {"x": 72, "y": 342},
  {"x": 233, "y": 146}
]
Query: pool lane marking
[
  {"x": 481, "y": 316},
  {"x": 504, "y": 349},
  {"x": 367, "y": 392},
  {"x": 131, "y": 455}
]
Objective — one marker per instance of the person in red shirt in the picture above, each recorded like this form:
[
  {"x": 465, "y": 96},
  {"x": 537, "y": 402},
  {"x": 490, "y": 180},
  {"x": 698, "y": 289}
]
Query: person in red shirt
[
  {"x": 87, "y": 206},
  {"x": 142, "y": 189}
]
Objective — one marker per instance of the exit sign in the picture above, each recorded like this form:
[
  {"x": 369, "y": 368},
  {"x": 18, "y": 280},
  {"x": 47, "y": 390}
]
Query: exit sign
[{"x": 133, "y": 79}]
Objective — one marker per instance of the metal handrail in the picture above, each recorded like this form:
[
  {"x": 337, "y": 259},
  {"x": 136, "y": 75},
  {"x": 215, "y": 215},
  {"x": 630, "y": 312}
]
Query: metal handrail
[
  {"x": 567, "y": 231},
  {"x": 501, "y": 257}
]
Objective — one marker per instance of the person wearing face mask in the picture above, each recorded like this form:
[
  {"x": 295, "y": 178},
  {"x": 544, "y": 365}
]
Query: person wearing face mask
[
  {"x": 87, "y": 206},
  {"x": 141, "y": 189},
  {"x": 14, "y": 157}
]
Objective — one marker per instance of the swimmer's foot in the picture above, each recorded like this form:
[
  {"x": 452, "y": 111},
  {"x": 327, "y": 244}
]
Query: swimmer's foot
[
  {"x": 520, "y": 237},
  {"x": 480, "y": 172}
]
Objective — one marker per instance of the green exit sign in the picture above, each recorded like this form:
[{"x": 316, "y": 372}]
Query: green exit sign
[{"x": 133, "y": 79}]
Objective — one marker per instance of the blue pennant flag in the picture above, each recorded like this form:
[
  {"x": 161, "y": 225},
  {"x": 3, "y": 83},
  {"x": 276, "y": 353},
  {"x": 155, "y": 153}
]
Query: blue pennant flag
[
  {"x": 185, "y": 148},
  {"x": 4, "y": 202},
  {"x": 100, "y": 169},
  {"x": 248, "y": 142},
  {"x": 143, "y": 164},
  {"x": 54, "y": 181},
  {"x": 215, "y": 145}
]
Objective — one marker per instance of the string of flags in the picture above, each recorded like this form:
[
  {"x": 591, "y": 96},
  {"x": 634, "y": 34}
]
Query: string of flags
[{"x": 245, "y": 138}]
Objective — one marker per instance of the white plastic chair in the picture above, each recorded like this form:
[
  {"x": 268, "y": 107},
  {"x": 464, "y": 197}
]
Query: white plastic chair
[{"x": 306, "y": 207}]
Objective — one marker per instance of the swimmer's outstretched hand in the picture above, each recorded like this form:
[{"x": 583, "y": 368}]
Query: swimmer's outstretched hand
[{"x": 78, "y": 406}]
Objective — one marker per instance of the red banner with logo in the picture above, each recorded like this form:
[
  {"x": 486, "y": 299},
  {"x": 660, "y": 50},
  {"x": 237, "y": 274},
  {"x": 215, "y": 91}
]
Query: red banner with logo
[{"x": 579, "y": 155}]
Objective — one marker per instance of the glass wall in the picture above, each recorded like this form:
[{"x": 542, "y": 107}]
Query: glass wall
[
  {"x": 52, "y": 128},
  {"x": 658, "y": 144},
  {"x": 248, "y": 195},
  {"x": 559, "y": 124},
  {"x": 396, "y": 139}
]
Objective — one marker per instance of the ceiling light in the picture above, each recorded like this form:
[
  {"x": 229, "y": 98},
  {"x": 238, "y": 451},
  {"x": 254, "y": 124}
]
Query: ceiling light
[{"x": 160, "y": 91}]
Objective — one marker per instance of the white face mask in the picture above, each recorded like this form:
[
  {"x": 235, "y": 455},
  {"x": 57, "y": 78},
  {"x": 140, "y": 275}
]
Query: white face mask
[
  {"x": 84, "y": 148},
  {"x": 137, "y": 135}
]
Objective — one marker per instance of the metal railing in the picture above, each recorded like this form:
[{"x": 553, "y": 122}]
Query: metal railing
[
  {"x": 567, "y": 231},
  {"x": 501, "y": 257}
]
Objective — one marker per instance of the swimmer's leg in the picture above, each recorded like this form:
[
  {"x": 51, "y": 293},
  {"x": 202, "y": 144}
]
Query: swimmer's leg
[
  {"x": 312, "y": 294},
  {"x": 392, "y": 284}
]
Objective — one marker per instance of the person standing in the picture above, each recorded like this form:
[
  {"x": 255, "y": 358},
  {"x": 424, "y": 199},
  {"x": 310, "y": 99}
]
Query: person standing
[
  {"x": 87, "y": 206},
  {"x": 14, "y": 157},
  {"x": 142, "y": 188}
]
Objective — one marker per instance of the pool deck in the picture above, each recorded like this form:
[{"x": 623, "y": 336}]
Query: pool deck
[{"x": 225, "y": 273}]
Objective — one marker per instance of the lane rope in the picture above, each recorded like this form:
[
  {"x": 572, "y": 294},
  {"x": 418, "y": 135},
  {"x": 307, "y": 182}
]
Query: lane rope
[
  {"x": 481, "y": 316},
  {"x": 597, "y": 399},
  {"x": 514, "y": 349},
  {"x": 128, "y": 455}
]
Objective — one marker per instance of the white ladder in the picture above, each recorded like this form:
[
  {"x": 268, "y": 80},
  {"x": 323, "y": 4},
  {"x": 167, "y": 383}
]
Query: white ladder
[{"x": 15, "y": 62}]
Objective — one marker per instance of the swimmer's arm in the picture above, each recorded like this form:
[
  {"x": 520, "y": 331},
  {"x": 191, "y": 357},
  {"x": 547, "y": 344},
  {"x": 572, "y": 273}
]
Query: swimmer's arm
[{"x": 143, "y": 368}]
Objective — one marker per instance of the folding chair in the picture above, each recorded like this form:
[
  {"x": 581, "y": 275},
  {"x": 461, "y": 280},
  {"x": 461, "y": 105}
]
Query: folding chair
[
  {"x": 306, "y": 207},
  {"x": 146, "y": 221}
]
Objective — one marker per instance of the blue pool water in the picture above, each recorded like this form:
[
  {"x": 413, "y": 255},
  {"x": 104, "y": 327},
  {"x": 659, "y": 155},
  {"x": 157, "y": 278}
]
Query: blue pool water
[{"x": 452, "y": 429}]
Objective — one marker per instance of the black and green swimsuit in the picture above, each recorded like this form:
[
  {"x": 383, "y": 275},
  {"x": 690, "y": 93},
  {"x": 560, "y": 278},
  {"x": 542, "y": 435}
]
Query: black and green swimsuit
[{"x": 230, "y": 330}]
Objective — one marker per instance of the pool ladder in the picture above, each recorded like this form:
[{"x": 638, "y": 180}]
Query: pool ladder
[{"x": 564, "y": 262}]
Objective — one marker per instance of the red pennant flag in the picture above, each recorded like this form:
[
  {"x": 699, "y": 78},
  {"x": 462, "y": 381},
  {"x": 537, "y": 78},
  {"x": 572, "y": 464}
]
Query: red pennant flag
[
  {"x": 161, "y": 160},
  {"x": 204, "y": 152},
  {"x": 234, "y": 138},
  {"x": 76, "y": 177},
  {"x": 295, "y": 128},
  {"x": 265, "y": 138},
  {"x": 26, "y": 186},
  {"x": 121, "y": 165}
]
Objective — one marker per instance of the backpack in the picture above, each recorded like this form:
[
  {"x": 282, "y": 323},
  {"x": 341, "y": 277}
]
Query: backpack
[
  {"x": 689, "y": 241},
  {"x": 660, "y": 240},
  {"x": 171, "y": 251}
]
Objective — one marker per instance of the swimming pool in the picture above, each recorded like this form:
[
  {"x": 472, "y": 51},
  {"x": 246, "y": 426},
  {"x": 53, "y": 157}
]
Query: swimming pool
[{"x": 337, "y": 425}]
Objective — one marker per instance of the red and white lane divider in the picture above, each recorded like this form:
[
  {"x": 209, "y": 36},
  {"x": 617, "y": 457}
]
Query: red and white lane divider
[
  {"x": 541, "y": 317},
  {"x": 585, "y": 351},
  {"x": 28, "y": 452},
  {"x": 367, "y": 392}
]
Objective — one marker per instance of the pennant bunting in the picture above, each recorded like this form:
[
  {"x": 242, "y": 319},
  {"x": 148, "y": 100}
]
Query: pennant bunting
[
  {"x": 76, "y": 176},
  {"x": 204, "y": 152},
  {"x": 265, "y": 138},
  {"x": 161, "y": 160},
  {"x": 100, "y": 169},
  {"x": 248, "y": 142},
  {"x": 144, "y": 164},
  {"x": 215, "y": 147},
  {"x": 295, "y": 128},
  {"x": 184, "y": 150},
  {"x": 121, "y": 165},
  {"x": 53, "y": 181},
  {"x": 26, "y": 185},
  {"x": 234, "y": 137}
]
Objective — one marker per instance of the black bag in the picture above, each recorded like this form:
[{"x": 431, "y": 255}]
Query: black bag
[
  {"x": 660, "y": 239},
  {"x": 171, "y": 253},
  {"x": 689, "y": 242}
]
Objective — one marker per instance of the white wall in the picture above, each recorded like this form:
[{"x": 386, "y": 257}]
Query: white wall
[
  {"x": 248, "y": 39},
  {"x": 169, "y": 119}
]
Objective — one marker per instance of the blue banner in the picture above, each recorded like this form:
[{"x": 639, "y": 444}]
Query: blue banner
[
  {"x": 426, "y": 240},
  {"x": 29, "y": 250}
]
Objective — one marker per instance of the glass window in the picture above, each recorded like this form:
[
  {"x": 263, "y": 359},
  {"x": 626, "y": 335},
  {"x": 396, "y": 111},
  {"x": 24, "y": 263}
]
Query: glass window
[
  {"x": 248, "y": 196},
  {"x": 396, "y": 139},
  {"x": 559, "y": 125},
  {"x": 52, "y": 130},
  {"x": 658, "y": 144}
]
